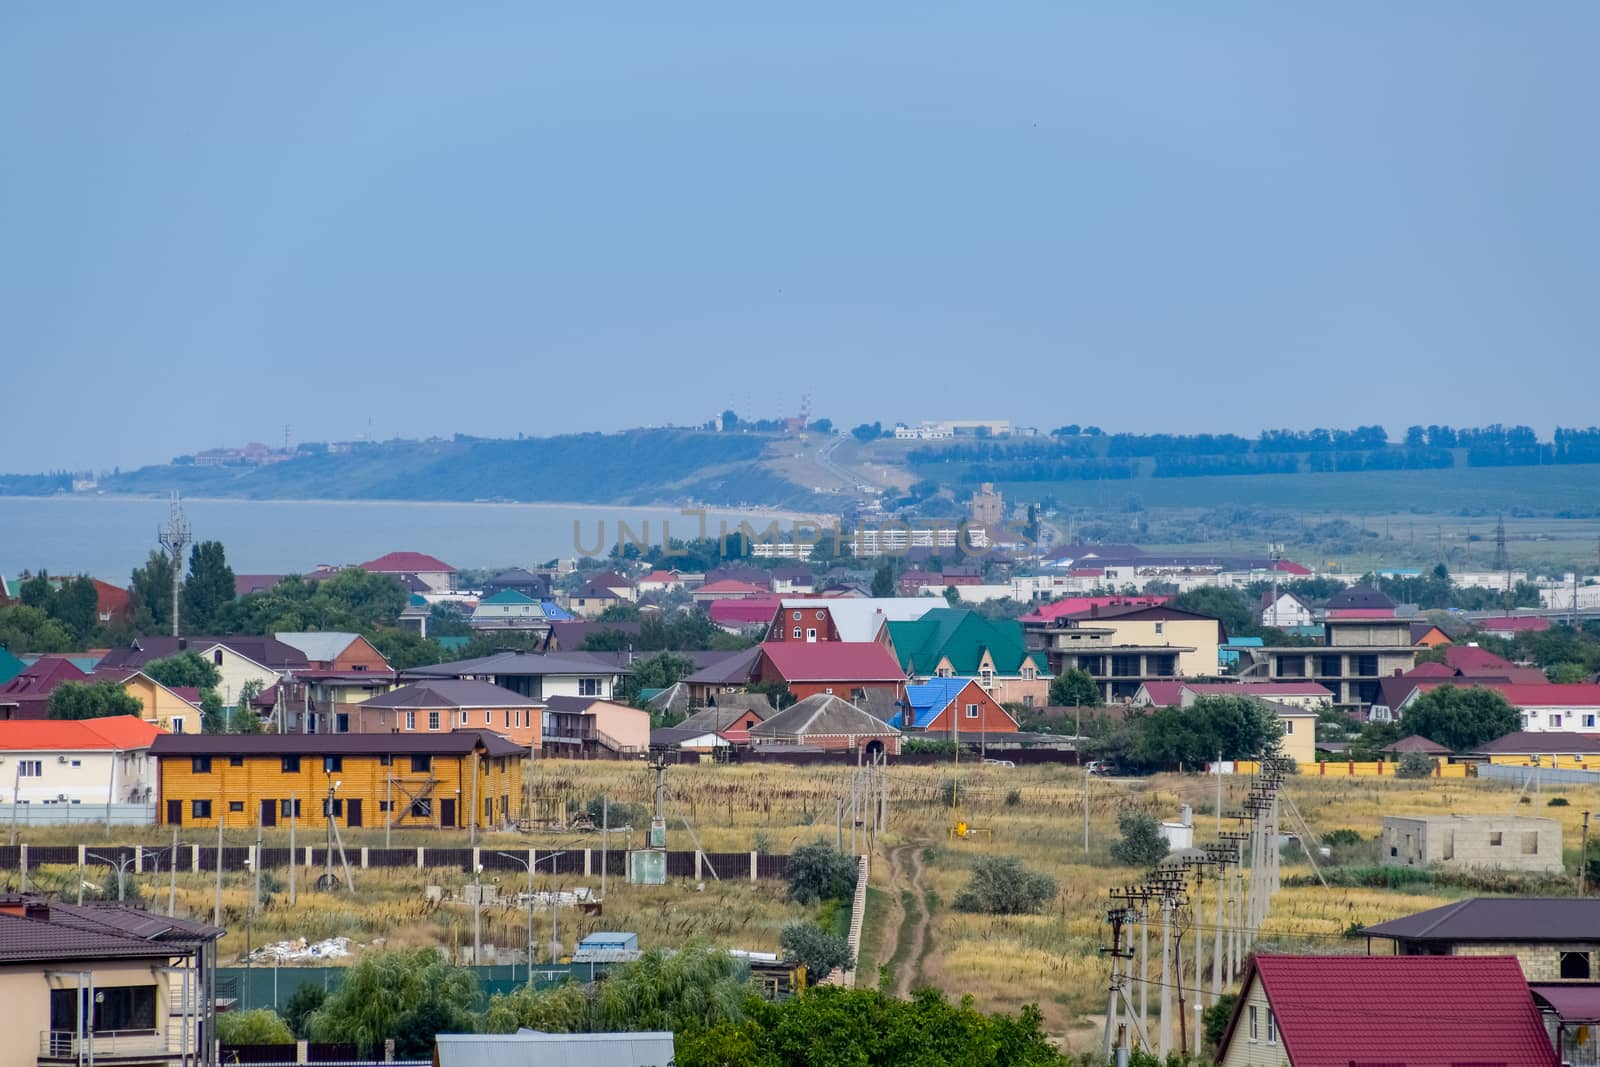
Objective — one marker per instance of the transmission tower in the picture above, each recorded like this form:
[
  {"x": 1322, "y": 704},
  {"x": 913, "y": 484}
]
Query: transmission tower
[
  {"x": 175, "y": 536},
  {"x": 1502, "y": 562}
]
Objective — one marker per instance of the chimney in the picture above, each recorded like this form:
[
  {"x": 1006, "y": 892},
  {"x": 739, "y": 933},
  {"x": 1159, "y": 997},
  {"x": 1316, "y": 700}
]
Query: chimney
[
  {"x": 1094, "y": 611},
  {"x": 37, "y": 909},
  {"x": 183, "y": 644}
]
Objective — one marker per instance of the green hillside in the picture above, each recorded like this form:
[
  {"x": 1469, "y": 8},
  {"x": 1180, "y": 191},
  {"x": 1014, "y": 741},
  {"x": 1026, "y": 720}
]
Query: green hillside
[{"x": 636, "y": 467}]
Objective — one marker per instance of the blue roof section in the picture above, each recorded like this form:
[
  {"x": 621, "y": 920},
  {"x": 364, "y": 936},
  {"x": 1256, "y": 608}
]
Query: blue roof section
[
  {"x": 929, "y": 699},
  {"x": 554, "y": 612}
]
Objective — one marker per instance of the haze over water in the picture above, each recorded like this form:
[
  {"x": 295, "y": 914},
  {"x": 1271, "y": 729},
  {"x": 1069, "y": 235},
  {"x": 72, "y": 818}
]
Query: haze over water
[{"x": 107, "y": 537}]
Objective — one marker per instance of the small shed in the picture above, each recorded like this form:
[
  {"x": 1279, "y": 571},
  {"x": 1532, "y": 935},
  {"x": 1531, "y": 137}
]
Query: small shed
[
  {"x": 1416, "y": 743},
  {"x": 828, "y": 722}
]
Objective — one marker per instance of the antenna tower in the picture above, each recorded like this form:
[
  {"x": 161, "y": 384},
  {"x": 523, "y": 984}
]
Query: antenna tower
[
  {"x": 174, "y": 536},
  {"x": 1502, "y": 562}
]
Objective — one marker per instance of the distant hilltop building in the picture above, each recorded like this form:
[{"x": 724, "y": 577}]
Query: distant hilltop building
[
  {"x": 940, "y": 431},
  {"x": 988, "y": 506}
]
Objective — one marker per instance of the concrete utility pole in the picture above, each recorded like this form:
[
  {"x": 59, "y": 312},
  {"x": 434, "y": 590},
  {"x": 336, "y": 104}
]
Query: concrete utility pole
[
  {"x": 172, "y": 877},
  {"x": 216, "y": 912},
  {"x": 294, "y": 861}
]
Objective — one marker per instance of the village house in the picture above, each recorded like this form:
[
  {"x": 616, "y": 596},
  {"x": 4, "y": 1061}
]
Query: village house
[
  {"x": 536, "y": 675},
  {"x": 1356, "y": 655},
  {"x": 437, "y": 575},
  {"x": 1509, "y": 626},
  {"x": 1554, "y": 939},
  {"x": 829, "y": 723},
  {"x": 174, "y": 710},
  {"x": 79, "y": 761},
  {"x": 27, "y": 695},
  {"x": 959, "y": 643},
  {"x": 240, "y": 659},
  {"x": 847, "y": 619},
  {"x": 953, "y": 708},
  {"x": 854, "y": 670},
  {"x": 729, "y": 589},
  {"x": 1464, "y": 842},
  {"x": 1123, "y": 646},
  {"x": 1288, "y": 612},
  {"x": 442, "y": 704},
  {"x": 510, "y": 610},
  {"x": 518, "y": 580},
  {"x": 601, "y": 592},
  {"x": 101, "y": 983},
  {"x": 587, "y": 727},
  {"x": 1335, "y": 1011},
  {"x": 332, "y": 650},
  {"x": 438, "y": 780}
]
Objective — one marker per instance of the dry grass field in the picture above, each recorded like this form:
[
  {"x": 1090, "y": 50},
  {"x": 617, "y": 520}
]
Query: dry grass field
[{"x": 1033, "y": 813}]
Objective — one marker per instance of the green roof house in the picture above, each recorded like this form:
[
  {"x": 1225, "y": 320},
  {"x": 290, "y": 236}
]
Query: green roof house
[{"x": 960, "y": 643}]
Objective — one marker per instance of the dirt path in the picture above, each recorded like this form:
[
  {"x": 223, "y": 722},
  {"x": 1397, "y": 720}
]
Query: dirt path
[{"x": 911, "y": 942}]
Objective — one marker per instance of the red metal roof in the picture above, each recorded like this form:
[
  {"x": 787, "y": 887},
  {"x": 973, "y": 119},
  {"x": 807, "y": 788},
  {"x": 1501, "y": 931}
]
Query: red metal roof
[
  {"x": 1420, "y": 1011},
  {"x": 742, "y": 611},
  {"x": 1287, "y": 566},
  {"x": 1075, "y": 605},
  {"x": 1470, "y": 659},
  {"x": 1576, "y": 695},
  {"x": 406, "y": 563},
  {"x": 1164, "y": 694},
  {"x": 731, "y": 585},
  {"x": 833, "y": 661}
]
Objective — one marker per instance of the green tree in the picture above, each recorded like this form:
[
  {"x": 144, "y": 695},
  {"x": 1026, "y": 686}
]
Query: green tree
[
  {"x": 1000, "y": 885},
  {"x": 213, "y": 719},
  {"x": 244, "y": 720},
  {"x": 1567, "y": 673},
  {"x": 208, "y": 589},
  {"x": 1230, "y": 605},
  {"x": 1074, "y": 688},
  {"x": 388, "y": 993},
  {"x": 92, "y": 700},
  {"x": 693, "y": 988},
  {"x": 1216, "y": 1019},
  {"x": 952, "y": 596},
  {"x": 1414, "y": 765},
  {"x": 404, "y": 649},
  {"x": 302, "y": 1002},
  {"x": 36, "y": 591},
  {"x": 185, "y": 669},
  {"x": 818, "y": 950},
  {"x": 150, "y": 595},
  {"x": 883, "y": 581},
  {"x": 76, "y": 606},
  {"x": 1141, "y": 843},
  {"x": 1234, "y": 727},
  {"x": 1373, "y": 737},
  {"x": 820, "y": 872},
  {"x": 25, "y": 629},
  {"x": 1461, "y": 719},
  {"x": 656, "y": 672},
  {"x": 258, "y": 1026}
]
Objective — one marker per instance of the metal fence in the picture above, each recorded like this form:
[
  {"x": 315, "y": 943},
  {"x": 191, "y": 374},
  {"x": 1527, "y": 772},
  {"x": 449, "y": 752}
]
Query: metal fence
[
  {"x": 1552, "y": 776},
  {"x": 25, "y": 815},
  {"x": 579, "y": 862}
]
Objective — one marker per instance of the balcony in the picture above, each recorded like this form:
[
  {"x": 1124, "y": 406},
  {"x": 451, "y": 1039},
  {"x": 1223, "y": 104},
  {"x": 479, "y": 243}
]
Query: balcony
[{"x": 145, "y": 1046}]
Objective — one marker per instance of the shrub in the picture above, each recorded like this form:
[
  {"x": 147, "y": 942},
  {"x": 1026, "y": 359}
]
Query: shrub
[
  {"x": 1557, "y": 802},
  {"x": 820, "y": 872},
  {"x": 1001, "y": 886},
  {"x": 305, "y": 1000},
  {"x": 1414, "y": 765},
  {"x": 1342, "y": 836},
  {"x": 616, "y": 813},
  {"x": 1216, "y": 1019},
  {"x": 913, "y": 745},
  {"x": 819, "y": 950},
  {"x": 1014, "y": 799},
  {"x": 1141, "y": 843},
  {"x": 949, "y": 792},
  {"x": 259, "y": 1026}
]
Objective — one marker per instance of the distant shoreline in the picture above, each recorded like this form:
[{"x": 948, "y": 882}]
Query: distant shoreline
[{"x": 687, "y": 511}]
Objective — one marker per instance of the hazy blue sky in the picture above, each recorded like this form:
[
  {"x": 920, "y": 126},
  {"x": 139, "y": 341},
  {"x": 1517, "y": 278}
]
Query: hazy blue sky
[{"x": 221, "y": 218}]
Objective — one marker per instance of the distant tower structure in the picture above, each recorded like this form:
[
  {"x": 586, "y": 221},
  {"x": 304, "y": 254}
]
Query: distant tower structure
[
  {"x": 1502, "y": 562},
  {"x": 175, "y": 536}
]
